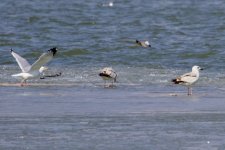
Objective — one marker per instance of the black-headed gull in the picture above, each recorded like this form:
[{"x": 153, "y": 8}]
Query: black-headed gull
[
  {"x": 108, "y": 74},
  {"x": 188, "y": 79},
  {"x": 34, "y": 70},
  {"x": 143, "y": 43}
]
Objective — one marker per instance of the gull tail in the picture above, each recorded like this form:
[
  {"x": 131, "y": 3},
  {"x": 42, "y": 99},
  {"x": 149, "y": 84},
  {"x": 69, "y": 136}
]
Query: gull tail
[
  {"x": 176, "y": 81},
  {"x": 16, "y": 75},
  {"x": 138, "y": 42}
]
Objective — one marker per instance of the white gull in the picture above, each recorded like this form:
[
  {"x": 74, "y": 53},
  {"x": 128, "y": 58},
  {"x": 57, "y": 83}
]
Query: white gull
[
  {"x": 108, "y": 73},
  {"x": 188, "y": 79},
  {"x": 143, "y": 43},
  {"x": 34, "y": 70}
]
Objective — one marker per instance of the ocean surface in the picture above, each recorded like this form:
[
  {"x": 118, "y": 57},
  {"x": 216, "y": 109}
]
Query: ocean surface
[{"x": 144, "y": 110}]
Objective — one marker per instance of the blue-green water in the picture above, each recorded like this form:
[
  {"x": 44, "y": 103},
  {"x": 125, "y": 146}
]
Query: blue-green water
[{"x": 140, "y": 112}]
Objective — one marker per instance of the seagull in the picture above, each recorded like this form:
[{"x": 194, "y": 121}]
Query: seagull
[
  {"x": 42, "y": 70},
  {"x": 188, "y": 79},
  {"x": 34, "y": 70},
  {"x": 143, "y": 43},
  {"x": 110, "y": 4},
  {"x": 54, "y": 75},
  {"x": 108, "y": 74},
  {"x": 42, "y": 73}
]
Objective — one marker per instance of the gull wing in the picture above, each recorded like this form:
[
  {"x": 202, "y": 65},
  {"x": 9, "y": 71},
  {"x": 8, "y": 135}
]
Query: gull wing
[
  {"x": 23, "y": 64},
  {"x": 43, "y": 59},
  {"x": 188, "y": 77}
]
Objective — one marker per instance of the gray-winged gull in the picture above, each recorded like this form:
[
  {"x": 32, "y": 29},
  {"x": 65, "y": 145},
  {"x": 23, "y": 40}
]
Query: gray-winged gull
[{"x": 188, "y": 79}]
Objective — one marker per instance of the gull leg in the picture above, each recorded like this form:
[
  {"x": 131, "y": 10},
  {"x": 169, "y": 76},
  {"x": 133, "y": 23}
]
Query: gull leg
[
  {"x": 104, "y": 83},
  {"x": 22, "y": 82},
  {"x": 111, "y": 84},
  {"x": 26, "y": 82},
  {"x": 107, "y": 84},
  {"x": 189, "y": 91}
]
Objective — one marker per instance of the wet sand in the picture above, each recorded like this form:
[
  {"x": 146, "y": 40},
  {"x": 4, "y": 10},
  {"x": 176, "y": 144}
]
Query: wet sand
[{"x": 59, "y": 117}]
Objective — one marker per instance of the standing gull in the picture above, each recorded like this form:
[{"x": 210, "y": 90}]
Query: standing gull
[
  {"x": 108, "y": 74},
  {"x": 188, "y": 79},
  {"x": 34, "y": 70}
]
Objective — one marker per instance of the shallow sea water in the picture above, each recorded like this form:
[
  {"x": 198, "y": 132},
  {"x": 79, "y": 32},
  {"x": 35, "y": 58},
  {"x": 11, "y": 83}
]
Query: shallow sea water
[
  {"x": 145, "y": 110},
  {"x": 119, "y": 118}
]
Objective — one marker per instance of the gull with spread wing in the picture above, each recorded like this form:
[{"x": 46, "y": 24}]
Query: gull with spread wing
[
  {"x": 188, "y": 79},
  {"x": 34, "y": 70}
]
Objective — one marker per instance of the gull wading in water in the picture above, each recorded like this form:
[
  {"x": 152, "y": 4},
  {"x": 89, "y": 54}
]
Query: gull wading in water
[
  {"x": 34, "y": 70},
  {"x": 108, "y": 74},
  {"x": 188, "y": 79},
  {"x": 42, "y": 71},
  {"x": 43, "y": 75},
  {"x": 143, "y": 43}
]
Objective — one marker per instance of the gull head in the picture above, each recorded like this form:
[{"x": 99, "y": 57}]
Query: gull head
[
  {"x": 42, "y": 69},
  {"x": 196, "y": 68},
  {"x": 53, "y": 50},
  {"x": 111, "y": 4},
  {"x": 147, "y": 43}
]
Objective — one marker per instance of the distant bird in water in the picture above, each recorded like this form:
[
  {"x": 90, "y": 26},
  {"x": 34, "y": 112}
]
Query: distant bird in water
[
  {"x": 108, "y": 74},
  {"x": 109, "y": 4},
  {"x": 34, "y": 70},
  {"x": 188, "y": 79},
  {"x": 143, "y": 43}
]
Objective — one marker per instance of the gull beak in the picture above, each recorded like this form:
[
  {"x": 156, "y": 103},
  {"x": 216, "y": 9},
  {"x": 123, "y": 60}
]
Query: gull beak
[{"x": 201, "y": 69}]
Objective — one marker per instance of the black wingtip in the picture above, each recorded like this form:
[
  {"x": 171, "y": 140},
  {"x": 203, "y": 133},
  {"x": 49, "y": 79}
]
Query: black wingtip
[
  {"x": 104, "y": 75},
  {"x": 137, "y": 41},
  {"x": 53, "y": 50},
  {"x": 175, "y": 81},
  {"x": 11, "y": 50},
  {"x": 59, "y": 74}
]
